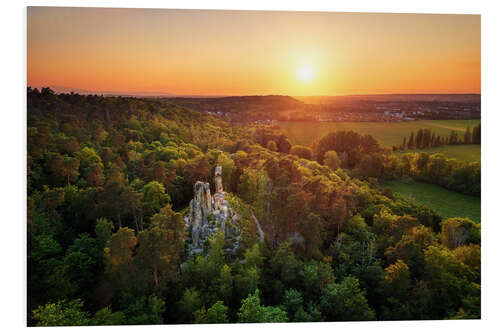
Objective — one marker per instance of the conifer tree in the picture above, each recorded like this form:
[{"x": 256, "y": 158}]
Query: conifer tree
[
  {"x": 467, "y": 136},
  {"x": 476, "y": 134},
  {"x": 411, "y": 143}
]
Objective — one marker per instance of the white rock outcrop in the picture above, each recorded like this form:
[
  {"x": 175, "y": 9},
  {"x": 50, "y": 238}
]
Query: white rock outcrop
[{"x": 209, "y": 214}]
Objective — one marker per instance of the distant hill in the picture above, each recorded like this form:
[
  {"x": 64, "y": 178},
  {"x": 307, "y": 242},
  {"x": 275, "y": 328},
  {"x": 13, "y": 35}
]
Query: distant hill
[
  {"x": 255, "y": 100},
  {"x": 238, "y": 104}
]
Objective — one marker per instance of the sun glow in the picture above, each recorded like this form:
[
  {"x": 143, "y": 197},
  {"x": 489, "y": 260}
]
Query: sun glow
[
  {"x": 292, "y": 53},
  {"x": 306, "y": 73}
]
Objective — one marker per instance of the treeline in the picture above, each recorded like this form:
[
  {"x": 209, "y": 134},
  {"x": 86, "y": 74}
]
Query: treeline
[
  {"x": 463, "y": 177},
  {"x": 426, "y": 138},
  {"x": 271, "y": 139},
  {"x": 363, "y": 157},
  {"x": 108, "y": 181}
]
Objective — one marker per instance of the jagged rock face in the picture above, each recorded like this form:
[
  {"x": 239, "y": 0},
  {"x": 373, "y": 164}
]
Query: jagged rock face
[
  {"x": 219, "y": 200},
  {"x": 201, "y": 205},
  {"x": 199, "y": 209},
  {"x": 208, "y": 214},
  {"x": 218, "y": 179}
]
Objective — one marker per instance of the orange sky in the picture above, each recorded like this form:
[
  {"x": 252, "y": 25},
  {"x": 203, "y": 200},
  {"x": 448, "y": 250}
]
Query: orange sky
[{"x": 252, "y": 52}]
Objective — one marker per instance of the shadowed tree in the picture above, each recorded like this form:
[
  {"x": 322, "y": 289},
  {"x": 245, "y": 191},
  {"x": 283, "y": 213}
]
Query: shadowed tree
[
  {"x": 332, "y": 160},
  {"x": 216, "y": 314},
  {"x": 271, "y": 145},
  {"x": 103, "y": 231},
  {"x": 154, "y": 198},
  {"x": 62, "y": 313},
  {"x": 118, "y": 254},
  {"x": 345, "y": 301},
  {"x": 459, "y": 231},
  {"x": 160, "y": 245},
  {"x": 251, "y": 311},
  {"x": 301, "y": 151}
]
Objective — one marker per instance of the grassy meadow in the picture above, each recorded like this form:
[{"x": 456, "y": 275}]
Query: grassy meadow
[
  {"x": 445, "y": 202},
  {"x": 467, "y": 153},
  {"x": 388, "y": 134}
]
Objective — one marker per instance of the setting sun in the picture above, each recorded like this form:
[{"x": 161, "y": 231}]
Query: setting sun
[
  {"x": 306, "y": 73},
  {"x": 331, "y": 53}
]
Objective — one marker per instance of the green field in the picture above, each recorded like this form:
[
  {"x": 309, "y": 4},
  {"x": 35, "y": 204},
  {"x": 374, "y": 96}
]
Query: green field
[
  {"x": 387, "y": 133},
  {"x": 444, "y": 202},
  {"x": 467, "y": 153}
]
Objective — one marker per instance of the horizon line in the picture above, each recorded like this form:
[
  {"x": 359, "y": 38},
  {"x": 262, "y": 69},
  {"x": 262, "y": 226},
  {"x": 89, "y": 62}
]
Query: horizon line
[{"x": 83, "y": 91}]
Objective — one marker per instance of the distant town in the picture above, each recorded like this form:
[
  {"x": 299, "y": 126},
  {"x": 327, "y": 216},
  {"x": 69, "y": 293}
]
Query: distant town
[{"x": 383, "y": 108}]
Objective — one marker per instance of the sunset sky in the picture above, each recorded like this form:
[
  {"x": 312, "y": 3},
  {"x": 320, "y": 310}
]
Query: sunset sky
[{"x": 252, "y": 52}]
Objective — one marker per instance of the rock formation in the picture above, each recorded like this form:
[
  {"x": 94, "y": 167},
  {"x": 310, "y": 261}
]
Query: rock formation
[
  {"x": 219, "y": 195},
  {"x": 199, "y": 209},
  {"x": 218, "y": 179},
  {"x": 208, "y": 214}
]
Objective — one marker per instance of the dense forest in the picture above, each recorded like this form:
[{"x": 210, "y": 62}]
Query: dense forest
[{"x": 110, "y": 181}]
